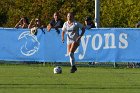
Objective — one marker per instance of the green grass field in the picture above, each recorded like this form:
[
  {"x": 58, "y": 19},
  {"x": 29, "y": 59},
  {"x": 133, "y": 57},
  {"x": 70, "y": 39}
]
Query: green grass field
[{"x": 40, "y": 79}]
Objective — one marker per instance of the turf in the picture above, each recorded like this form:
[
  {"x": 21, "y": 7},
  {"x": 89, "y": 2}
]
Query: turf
[{"x": 40, "y": 79}]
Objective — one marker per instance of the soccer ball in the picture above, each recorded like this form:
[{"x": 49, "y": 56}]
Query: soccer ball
[{"x": 57, "y": 70}]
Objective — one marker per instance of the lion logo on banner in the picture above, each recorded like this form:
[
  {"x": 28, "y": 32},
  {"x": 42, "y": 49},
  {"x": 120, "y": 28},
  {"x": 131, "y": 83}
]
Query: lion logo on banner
[{"x": 31, "y": 45}]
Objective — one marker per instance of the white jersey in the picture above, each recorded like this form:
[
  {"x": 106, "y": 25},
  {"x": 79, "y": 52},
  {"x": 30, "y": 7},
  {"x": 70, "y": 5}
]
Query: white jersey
[{"x": 72, "y": 31}]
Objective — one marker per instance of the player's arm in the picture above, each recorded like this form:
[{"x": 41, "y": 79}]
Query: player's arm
[
  {"x": 63, "y": 32},
  {"x": 83, "y": 31}
]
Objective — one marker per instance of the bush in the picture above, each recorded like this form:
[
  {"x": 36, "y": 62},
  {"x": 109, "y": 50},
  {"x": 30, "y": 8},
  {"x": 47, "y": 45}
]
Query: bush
[{"x": 113, "y": 13}]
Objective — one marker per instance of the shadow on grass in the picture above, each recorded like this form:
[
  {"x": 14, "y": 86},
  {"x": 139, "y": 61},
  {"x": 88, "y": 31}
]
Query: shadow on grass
[
  {"x": 34, "y": 86},
  {"x": 65, "y": 86}
]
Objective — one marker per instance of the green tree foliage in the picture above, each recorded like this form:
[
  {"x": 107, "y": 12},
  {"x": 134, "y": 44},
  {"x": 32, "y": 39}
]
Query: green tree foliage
[
  {"x": 113, "y": 13},
  {"x": 119, "y": 13}
]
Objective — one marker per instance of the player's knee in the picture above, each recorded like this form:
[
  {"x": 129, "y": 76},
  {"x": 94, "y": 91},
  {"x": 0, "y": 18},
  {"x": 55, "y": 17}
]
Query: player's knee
[{"x": 71, "y": 54}]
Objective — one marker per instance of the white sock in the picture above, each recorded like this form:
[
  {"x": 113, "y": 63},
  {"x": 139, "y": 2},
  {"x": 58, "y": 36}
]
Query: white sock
[{"x": 72, "y": 59}]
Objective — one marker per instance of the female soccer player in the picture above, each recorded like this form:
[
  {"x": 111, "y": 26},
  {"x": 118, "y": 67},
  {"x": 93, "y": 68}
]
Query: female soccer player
[{"x": 71, "y": 27}]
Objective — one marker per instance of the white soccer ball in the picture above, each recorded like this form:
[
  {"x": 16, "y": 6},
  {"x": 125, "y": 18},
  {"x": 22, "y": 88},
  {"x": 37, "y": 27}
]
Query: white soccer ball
[{"x": 57, "y": 70}]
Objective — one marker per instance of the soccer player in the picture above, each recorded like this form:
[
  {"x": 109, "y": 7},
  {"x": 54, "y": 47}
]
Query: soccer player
[{"x": 71, "y": 27}]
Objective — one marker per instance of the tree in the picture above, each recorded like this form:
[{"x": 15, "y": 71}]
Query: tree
[{"x": 114, "y": 13}]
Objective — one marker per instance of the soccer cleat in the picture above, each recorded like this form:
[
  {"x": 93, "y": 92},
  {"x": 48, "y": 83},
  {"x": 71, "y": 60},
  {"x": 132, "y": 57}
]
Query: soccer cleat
[{"x": 73, "y": 69}]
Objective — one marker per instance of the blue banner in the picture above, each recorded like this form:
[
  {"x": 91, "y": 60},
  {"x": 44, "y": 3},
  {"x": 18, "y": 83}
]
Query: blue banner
[{"x": 97, "y": 45}]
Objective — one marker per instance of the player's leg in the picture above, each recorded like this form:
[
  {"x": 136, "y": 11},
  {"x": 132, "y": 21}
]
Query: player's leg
[
  {"x": 68, "y": 48},
  {"x": 73, "y": 48},
  {"x": 71, "y": 54}
]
